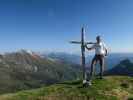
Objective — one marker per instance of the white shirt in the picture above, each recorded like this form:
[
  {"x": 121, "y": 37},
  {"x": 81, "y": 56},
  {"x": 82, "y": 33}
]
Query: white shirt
[{"x": 99, "y": 48}]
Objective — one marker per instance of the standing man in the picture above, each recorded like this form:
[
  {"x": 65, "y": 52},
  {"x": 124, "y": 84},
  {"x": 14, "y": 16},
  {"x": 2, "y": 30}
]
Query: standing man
[{"x": 100, "y": 53}]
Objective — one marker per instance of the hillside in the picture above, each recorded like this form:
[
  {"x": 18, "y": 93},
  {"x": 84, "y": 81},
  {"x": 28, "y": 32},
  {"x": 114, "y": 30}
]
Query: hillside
[
  {"x": 110, "y": 88},
  {"x": 26, "y": 70},
  {"x": 125, "y": 67}
]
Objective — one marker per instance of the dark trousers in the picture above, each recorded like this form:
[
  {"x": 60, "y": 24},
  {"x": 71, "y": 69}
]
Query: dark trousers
[{"x": 97, "y": 58}]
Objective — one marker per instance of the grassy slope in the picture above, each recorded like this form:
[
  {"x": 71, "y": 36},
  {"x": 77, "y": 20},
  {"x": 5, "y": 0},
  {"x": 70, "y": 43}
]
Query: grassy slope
[{"x": 110, "y": 88}]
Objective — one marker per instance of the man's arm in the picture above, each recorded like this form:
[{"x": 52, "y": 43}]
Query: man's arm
[{"x": 88, "y": 48}]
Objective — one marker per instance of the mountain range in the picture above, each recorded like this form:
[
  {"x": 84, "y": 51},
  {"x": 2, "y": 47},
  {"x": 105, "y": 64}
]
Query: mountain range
[{"x": 26, "y": 69}]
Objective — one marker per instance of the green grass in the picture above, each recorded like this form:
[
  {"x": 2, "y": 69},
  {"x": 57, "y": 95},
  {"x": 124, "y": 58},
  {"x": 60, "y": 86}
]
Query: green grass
[{"x": 109, "y": 88}]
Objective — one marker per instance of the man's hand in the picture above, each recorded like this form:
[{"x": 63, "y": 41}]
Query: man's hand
[
  {"x": 106, "y": 54},
  {"x": 85, "y": 45}
]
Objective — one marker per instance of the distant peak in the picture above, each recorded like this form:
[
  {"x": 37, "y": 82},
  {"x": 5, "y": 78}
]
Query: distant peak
[{"x": 25, "y": 51}]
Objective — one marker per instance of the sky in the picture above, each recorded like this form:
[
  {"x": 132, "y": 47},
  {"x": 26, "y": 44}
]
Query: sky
[{"x": 49, "y": 25}]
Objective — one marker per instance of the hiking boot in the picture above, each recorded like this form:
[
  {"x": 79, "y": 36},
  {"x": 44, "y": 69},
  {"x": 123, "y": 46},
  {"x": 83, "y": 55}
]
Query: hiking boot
[{"x": 101, "y": 77}]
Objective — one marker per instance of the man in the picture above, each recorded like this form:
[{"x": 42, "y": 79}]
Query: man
[{"x": 100, "y": 53}]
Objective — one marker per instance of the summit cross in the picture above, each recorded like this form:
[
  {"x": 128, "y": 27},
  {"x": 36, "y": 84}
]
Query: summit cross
[{"x": 82, "y": 43}]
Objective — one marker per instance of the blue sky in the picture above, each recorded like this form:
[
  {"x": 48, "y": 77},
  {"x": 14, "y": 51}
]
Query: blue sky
[{"x": 49, "y": 25}]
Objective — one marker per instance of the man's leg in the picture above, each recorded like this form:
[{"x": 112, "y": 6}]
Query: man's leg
[
  {"x": 93, "y": 63},
  {"x": 101, "y": 66},
  {"x": 90, "y": 76}
]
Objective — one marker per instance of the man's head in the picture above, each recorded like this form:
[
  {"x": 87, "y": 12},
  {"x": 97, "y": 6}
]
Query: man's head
[{"x": 98, "y": 38}]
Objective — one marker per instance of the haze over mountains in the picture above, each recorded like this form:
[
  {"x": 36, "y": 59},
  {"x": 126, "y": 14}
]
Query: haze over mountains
[{"x": 110, "y": 61}]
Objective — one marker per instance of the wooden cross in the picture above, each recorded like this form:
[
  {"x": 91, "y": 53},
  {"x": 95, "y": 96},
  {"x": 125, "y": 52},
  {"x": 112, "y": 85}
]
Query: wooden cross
[{"x": 82, "y": 43}]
